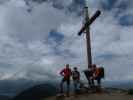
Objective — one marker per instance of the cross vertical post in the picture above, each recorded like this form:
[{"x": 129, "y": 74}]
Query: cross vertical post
[
  {"x": 86, "y": 29},
  {"x": 88, "y": 39}
]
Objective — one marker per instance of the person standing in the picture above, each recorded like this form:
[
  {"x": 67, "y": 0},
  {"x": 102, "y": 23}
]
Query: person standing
[
  {"x": 76, "y": 78},
  {"x": 98, "y": 74},
  {"x": 66, "y": 73},
  {"x": 89, "y": 75}
]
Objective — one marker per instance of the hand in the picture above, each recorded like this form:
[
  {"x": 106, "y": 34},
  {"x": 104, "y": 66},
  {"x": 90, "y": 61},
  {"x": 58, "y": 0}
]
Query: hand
[
  {"x": 62, "y": 75},
  {"x": 91, "y": 77}
]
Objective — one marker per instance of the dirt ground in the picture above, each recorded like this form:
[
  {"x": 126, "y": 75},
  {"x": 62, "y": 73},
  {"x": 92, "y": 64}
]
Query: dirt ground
[{"x": 94, "y": 97}]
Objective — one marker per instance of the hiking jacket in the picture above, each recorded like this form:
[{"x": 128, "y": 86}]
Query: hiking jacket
[
  {"x": 97, "y": 72},
  {"x": 76, "y": 75},
  {"x": 66, "y": 73}
]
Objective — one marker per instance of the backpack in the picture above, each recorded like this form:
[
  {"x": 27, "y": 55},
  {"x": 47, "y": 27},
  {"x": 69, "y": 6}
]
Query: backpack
[
  {"x": 101, "y": 72},
  {"x": 75, "y": 74}
]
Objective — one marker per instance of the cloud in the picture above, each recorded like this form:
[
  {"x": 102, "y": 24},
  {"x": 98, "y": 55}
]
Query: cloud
[
  {"x": 24, "y": 35},
  {"x": 38, "y": 43}
]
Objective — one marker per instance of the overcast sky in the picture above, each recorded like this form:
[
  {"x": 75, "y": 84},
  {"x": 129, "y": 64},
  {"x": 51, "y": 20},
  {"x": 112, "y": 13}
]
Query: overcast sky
[{"x": 37, "y": 37}]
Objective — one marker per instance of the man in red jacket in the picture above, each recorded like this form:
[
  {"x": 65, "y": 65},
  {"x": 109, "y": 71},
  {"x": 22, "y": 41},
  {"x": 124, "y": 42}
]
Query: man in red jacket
[{"x": 66, "y": 73}]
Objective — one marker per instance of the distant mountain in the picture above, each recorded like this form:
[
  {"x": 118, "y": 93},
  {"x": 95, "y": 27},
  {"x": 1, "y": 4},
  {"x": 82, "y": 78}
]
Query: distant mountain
[
  {"x": 2, "y": 97},
  {"x": 126, "y": 85},
  {"x": 13, "y": 87},
  {"x": 37, "y": 92},
  {"x": 119, "y": 84}
]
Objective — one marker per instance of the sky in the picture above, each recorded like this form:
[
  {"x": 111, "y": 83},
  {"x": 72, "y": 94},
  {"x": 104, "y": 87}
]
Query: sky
[{"x": 38, "y": 37}]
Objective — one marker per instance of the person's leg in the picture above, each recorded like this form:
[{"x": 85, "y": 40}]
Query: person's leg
[
  {"x": 81, "y": 84},
  {"x": 99, "y": 85},
  {"x": 61, "y": 85},
  {"x": 68, "y": 84},
  {"x": 89, "y": 82},
  {"x": 92, "y": 83},
  {"x": 99, "y": 81},
  {"x": 75, "y": 85}
]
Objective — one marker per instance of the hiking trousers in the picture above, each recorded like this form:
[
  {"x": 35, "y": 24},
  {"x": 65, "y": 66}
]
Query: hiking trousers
[
  {"x": 76, "y": 84},
  {"x": 67, "y": 80}
]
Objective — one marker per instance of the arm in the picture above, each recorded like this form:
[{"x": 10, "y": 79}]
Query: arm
[
  {"x": 62, "y": 72},
  {"x": 79, "y": 75},
  {"x": 71, "y": 72}
]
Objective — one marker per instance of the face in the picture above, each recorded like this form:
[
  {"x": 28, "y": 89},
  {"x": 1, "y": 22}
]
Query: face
[
  {"x": 67, "y": 66},
  {"x": 93, "y": 67},
  {"x": 75, "y": 69}
]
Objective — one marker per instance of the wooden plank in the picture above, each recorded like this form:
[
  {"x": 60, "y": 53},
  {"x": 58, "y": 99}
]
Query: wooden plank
[{"x": 89, "y": 22}]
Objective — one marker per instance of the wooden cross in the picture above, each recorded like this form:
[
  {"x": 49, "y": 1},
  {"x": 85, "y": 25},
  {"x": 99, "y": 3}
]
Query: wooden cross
[{"x": 86, "y": 29}]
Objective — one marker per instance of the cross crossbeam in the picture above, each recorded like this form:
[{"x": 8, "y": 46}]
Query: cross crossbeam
[{"x": 90, "y": 21}]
